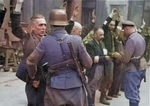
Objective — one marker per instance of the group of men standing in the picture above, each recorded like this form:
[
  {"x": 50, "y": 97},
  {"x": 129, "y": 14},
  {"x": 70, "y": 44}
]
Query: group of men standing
[{"x": 105, "y": 63}]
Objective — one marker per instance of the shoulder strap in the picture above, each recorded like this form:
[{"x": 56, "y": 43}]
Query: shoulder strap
[{"x": 60, "y": 41}]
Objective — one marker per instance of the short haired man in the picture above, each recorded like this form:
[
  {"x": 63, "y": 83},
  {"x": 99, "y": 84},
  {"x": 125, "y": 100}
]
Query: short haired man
[{"x": 35, "y": 88}]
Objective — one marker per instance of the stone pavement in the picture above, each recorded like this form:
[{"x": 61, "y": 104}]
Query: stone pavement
[{"x": 12, "y": 92}]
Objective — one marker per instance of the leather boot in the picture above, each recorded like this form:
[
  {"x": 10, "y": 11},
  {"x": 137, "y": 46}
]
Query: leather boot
[
  {"x": 108, "y": 98},
  {"x": 113, "y": 95},
  {"x": 118, "y": 94},
  {"x": 103, "y": 100}
]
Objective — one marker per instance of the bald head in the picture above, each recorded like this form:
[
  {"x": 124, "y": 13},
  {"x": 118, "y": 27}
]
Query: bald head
[{"x": 77, "y": 28}]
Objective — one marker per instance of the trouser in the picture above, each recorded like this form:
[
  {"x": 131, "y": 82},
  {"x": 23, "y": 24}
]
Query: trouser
[
  {"x": 105, "y": 85},
  {"x": 94, "y": 83},
  {"x": 131, "y": 86},
  {"x": 35, "y": 96},
  {"x": 117, "y": 79},
  {"x": 107, "y": 79},
  {"x": 65, "y": 97}
]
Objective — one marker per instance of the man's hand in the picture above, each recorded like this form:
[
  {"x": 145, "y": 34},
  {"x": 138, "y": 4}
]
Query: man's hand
[
  {"x": 20, "y": 1},
  {"x": 1, "y": 4},
  {"x": 18, "y": 5},
  {"x": 94, "y": 16},
  {"x": 36, "y": 84},
  {"x": 75, "y": 13},
  {"x": 64, "y": 6},
  {"x": 117, "y": 55},
  {"x": 108, "y": 58},
  {"x": 113, "y": 13},
  {"x": 143, "y": 25}
]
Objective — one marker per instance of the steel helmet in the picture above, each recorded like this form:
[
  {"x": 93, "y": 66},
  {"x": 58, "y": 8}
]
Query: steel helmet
[{"x": 58, "y": 17}]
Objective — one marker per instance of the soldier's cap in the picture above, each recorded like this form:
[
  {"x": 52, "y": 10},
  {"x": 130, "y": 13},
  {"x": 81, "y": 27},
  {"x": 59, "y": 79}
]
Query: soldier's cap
[{"x": 127, "y": 23}]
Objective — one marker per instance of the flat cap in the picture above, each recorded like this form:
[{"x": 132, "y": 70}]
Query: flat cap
[{"x": 128, "y": 23}]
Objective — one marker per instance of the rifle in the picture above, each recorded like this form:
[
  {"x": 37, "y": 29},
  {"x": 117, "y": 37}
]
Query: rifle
[{"x": 79, "y": 69}]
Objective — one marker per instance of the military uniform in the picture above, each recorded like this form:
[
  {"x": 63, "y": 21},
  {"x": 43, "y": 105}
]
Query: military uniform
[
  {"x": 64, "y": 87},
  {"x": 135, "y": 65}
]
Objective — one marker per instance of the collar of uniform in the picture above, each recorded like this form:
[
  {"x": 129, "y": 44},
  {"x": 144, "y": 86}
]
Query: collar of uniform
[
  {"x": 59, "y": 33},
  {"x": 132, "y": 34},
  {"x": 62, "y": 31}
]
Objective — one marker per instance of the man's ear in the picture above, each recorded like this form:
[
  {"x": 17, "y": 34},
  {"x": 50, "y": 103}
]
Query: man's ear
[{"x": 32, "y": 27}]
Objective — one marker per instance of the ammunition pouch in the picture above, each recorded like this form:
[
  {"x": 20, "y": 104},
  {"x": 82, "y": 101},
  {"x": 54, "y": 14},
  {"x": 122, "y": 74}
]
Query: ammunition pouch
[
  {"x": 136, "y": 62},
  {"x": 62, "y": 65},
  {"x": 55, "y": 69}
]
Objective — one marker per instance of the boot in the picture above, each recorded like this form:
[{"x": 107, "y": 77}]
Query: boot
[
  {"x": 104, "y": 101},
  {"x": 118, "y": 94},
  {"x": 108, "y": 98},
  {"x": 113, "y": 95}
]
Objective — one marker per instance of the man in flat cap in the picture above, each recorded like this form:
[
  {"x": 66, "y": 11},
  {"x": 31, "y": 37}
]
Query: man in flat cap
[
  {"x": 128, "y": 23},
  {"x": 135, "y": 62}
]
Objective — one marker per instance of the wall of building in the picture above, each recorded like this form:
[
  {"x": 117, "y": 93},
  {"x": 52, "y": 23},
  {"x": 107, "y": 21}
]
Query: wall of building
[
  {"x": 136, "y": 12},
  {"x": 31, "y": 7},
  {"x": 101, "y": 12},
  {"x": 104, "y": 8}
]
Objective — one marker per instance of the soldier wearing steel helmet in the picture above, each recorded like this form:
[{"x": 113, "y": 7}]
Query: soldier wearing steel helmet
[{"x": 63, "y": 85}]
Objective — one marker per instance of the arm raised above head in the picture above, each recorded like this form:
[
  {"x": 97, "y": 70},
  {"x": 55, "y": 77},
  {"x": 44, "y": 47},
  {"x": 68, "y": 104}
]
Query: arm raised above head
[
  {"x": 18, "y": 6},
  {"x": 75, "y": 13}
]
